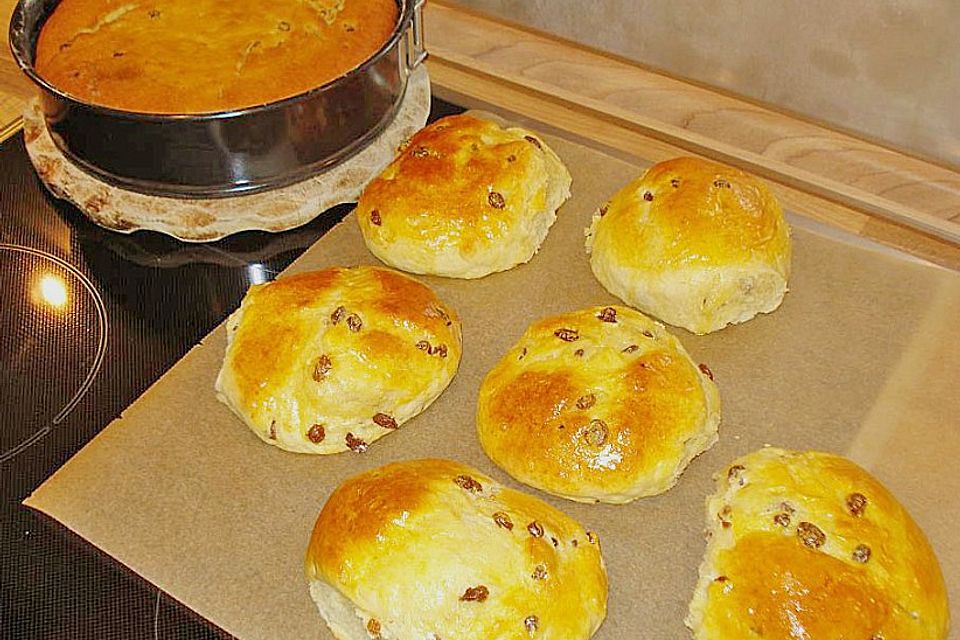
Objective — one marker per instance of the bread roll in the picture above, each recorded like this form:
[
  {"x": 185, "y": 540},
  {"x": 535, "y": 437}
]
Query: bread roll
[
  {"x": 598, "y": 405},
  {"x": 331, "y": 360},
  {"x": 464, "y": 199},
  {"x": 433, "y": 549},
  {"x": 809, "y": 545},
  {"x": 697, "y": 244}
]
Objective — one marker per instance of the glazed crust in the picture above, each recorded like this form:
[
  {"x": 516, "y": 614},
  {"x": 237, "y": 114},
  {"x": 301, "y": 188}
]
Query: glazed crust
[
  {"x": 331, "y": 360},
  {"x": 698, "y": 244},
  {"x": 170, "y": 56},
  {"x": 809, "y": 545},
  {"x": 601, "y": 404},
  {"x": 465, "y": 198},
  {"x": 436, "y": 549}
]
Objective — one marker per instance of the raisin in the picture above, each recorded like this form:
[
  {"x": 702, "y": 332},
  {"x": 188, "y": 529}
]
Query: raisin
[
  {"x": 373, "y": 627},
  {"x": 322, "y": 368},
  {"x": 705, "y": 370},
  {"x": 522, "y": 354},
  {"x": 604, "y": 209},
  {"x": 503, "y": 520},
  {"x": 567, "y": 335},
  {"x": 469, "y": 484},
  {"x": 385, "y": 421},
  {"x": 862, "y": 553},
  {"x": 375, "y": 217},
  {"x": 630, "y": 349},
  {"x": 811, "y": 535},
  {"x": 337, "y": 315},
  {"x": 596, "y": 432},
  {"x": 721, "y": 183},
  {"x": 735, "y": 472},
  {"x": 724, "y": 516},
  {"x": 857, "y": 504},
  {"x": 354, "y": 323},
  {"x": 283, "y": 25},
  {"x": 648, "y": 196},
  {"x": 609, "y": 314},
  {"x": 782, "y": 519},
  {"x": 535, "y": 529},
  {"x": 495, "y": 198},
  {"x": 578, "y": 353},
  {"x": 423, "y": 345},
  {"x": 647, "y": 334},
  {"x": 675, "y": 183},
  {"x": 420, "y": 152},
  {"x": 539, "y": 572},
  {"x": 531, "y": 623},
  {"x": 154, "y": 13},
  {"x": 533, "y": 141},
  {"x": 316, "y": 434},
  {"x": 478, "y": 593},
  {"x": 273, "y": 429},
  {"x": 355, "y": 444},
  {"x": 592, "y": 538},
  {"x": 511, "y": 158},
  {"x": 587, "y": 401}
]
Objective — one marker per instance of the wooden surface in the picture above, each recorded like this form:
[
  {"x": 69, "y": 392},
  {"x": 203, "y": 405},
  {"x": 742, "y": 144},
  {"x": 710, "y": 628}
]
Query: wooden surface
[{"x": 632, "y": 112}]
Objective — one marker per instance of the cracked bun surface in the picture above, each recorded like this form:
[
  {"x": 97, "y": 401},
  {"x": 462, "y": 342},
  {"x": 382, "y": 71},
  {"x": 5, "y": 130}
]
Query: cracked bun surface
[
  {"x": 695, "y": 243},
  {"x": 809, "y": 545},
  {"x": 465, "y": 198},
  {"x": 433, "y": 549},
  {"x": 597, "y": 405},
  {"x": 331, "y": 360}
]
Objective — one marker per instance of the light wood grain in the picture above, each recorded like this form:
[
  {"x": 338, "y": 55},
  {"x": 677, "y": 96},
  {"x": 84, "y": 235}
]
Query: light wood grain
[
  {"x": 810, "y": 157},
  {"x": 475, "y": 90},
  {"x": 14, "y": 87}
]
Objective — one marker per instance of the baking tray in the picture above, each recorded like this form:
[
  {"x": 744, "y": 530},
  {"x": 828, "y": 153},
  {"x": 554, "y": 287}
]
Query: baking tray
[{"x": 861, "y": 360}]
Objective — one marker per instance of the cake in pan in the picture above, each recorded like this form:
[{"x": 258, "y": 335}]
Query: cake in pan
[{"x": 198, "y": 56}]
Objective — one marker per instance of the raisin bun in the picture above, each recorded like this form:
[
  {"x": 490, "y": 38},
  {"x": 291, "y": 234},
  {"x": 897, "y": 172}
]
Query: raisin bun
[
  {"x": 465, "y": 198},
  {"x": 598, "y": 405},
  {"x": 331, "y": 360},
  {"x": 809, "y": 545},
  {"x": 433, "y": 549},
  {"x": 697, "y": 244}
]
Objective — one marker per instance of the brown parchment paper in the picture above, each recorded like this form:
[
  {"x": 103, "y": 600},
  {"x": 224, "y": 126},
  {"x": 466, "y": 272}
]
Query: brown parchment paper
[{"x": 861, "y": 359}]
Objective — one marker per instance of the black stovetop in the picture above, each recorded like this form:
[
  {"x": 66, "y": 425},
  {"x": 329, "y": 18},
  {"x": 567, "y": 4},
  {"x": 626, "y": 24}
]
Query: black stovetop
[{"x": 88, "y": 320}]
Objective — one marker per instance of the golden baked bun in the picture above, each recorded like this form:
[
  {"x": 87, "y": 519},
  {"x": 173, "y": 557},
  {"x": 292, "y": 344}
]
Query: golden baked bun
[
  {"x": 433, "y": 549},
  {"x": 465, "y": 198},
  {"x": 331, "y": 360},
  {"x": 697, "y": 244},
  {"x": 809, "y": 545},
  {"x": 598, "y": 405}
]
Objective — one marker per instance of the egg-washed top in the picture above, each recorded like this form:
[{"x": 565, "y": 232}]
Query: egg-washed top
[{"x": 196, "y": 56}]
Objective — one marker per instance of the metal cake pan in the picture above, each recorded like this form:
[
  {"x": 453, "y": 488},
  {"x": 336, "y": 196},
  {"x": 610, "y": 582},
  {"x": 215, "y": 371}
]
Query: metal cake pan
[{"x": 228, "y": 152}]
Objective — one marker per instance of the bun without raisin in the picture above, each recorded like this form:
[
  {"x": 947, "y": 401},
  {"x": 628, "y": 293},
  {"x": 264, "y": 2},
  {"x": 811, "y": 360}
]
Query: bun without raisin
[
  {"x": 697, "y": 244},
  {"x": 464, "y": 199},
  {"x": 436, "y": 549},
  {"x": 809, "y": 545},
  {"x": 331, "y": 360},
  {"x": 598, "y": 405}
]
